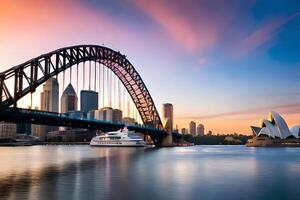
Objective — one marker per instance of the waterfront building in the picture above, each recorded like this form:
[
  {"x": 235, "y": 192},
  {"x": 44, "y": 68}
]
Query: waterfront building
[
  {"x": 200, "y": 129},
  {"x": 91, "y": 114},
  {"x": 88, "y": 100},
  {"x": 117, "y": 115},
  {"x": 129, "y": 120},
  {"x": 69, "y": 99},
  {"x": 7, "y": 130},
  {"x": 71, "y": 135},
  {"x": 167, "y": 116},
  {"x": 192, "y": 128},
  {"x": 72, "y": 114},
  {"x": 23, "y": 128},
  {"x": 106, "y": 114},
  {"x": 184, "y": 131},
  {"x": 274, "y": 131},
  {"x": 176, "y": 129},
  {"x": 48, "y": 102}
]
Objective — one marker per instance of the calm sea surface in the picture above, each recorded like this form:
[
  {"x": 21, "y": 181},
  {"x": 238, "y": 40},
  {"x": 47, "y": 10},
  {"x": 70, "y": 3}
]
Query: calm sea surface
[{"x": 199, "y": 172}]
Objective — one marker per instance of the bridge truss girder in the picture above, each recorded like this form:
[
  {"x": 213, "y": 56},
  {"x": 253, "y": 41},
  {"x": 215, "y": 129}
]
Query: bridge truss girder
[{"x": 28, "y": 76}]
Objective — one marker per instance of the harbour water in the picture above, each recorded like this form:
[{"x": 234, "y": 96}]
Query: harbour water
[{"x": 198, "y": 172}]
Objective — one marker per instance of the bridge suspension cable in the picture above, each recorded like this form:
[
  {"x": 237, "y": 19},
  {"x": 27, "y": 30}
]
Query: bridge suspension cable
[
  {"x": 83, "y": 83},
  {"x": 89, "y": 75},
  {"x": 63, "y": 80},
  {"x": 108, "y": 87},
  {"x": 70, "y": 81},
  {"x": 77, "y": 83},
  {"x": 99, "y": 82},
  {"x": 119, "y": 93}
]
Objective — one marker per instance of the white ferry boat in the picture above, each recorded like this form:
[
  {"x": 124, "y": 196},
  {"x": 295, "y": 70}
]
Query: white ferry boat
[{"x": 120, "y": 138}]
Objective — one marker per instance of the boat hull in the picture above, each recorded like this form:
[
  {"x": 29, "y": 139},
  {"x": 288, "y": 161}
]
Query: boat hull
[
  {"x": 111, "y": 145},
  {"x": 119, "y": 138},
  {"x": 117, "y": 144}
]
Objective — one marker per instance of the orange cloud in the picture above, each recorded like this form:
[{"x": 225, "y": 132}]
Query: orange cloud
[
  {"x": 191, "y": 35},
  {"x": 284, "y": 109}
]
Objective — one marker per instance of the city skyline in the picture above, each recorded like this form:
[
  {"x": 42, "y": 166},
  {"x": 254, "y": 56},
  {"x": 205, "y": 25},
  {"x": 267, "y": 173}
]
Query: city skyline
[{"x": 221, "y": 72}]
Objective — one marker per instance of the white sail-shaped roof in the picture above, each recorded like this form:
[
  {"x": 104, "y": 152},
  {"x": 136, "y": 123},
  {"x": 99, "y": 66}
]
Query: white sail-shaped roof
[
  {"x": 255, "y": 130},
  {"x": 280, "y": 124},
  {"x": 295, "y": 131},
  {"x": 276, "y": 127},
  {"x": 274, "y": 132},
  {"x": 265, "y": 132}
]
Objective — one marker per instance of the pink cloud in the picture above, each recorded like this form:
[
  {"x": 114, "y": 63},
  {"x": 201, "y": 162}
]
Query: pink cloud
[
  {"x": 193, "y": 35},
  {"x": 262, "y": 35},
  {"x": 202, "y": 61},
  {"x": 47, "y": 25}
]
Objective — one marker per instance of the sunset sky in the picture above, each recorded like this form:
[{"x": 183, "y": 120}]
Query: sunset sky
[{"x": 221, "y": 63}]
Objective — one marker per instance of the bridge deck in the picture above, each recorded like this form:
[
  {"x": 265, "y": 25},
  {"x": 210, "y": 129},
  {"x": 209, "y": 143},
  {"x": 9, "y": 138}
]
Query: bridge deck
[{"x": 19, "y": 115}]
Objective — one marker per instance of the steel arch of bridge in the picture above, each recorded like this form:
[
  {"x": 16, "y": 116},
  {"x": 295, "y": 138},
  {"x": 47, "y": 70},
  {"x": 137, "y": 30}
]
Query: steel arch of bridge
[{"x": 29, "y": 75}]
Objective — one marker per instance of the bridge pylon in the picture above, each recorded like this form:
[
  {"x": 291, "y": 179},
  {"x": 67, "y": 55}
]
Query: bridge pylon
[{"x": 167, "y": 141}]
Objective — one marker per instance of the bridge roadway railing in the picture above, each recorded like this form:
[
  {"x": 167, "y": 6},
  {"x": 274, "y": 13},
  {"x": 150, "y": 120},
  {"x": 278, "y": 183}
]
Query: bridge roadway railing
[{"x": 16, "y": 115}]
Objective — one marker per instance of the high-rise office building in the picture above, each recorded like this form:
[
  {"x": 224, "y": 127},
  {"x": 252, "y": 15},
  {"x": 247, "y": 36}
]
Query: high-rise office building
[
  {"x": 49, "y": 96},
  {"x": 167, "y": 116},
  {"x": 48, "y": 102},
  {"x": 69, "y": 100},
  {"x": 200, "y": 129},
  {"x": 192, "y": 128},
  {"x": 88, "y": 100}
]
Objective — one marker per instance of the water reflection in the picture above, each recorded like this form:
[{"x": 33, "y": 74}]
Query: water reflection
[{"x": 206, "y": 172}]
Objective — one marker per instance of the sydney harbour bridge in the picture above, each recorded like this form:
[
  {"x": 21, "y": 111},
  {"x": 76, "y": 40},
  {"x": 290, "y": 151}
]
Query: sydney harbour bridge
[{"x": 24, "y": 79}]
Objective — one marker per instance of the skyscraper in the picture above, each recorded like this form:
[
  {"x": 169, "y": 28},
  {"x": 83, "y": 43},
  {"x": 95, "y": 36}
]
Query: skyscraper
[
  {"x": 49, "y": 96},
  {"x": 200, "y": 129},
  {"x": 88, "y": 100},
  {"x": 192, "y": 128},
  {"x": 69, "y": 100},
  {"x": 167, "y": 114},
  {"x": 48, "y": 102}
]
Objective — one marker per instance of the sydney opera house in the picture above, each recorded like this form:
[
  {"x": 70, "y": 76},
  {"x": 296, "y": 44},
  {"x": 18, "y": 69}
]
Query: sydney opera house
[{"x": 274, "y": 132}]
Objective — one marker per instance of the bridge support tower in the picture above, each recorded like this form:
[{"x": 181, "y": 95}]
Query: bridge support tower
[{"x": 167, "y": 141}]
